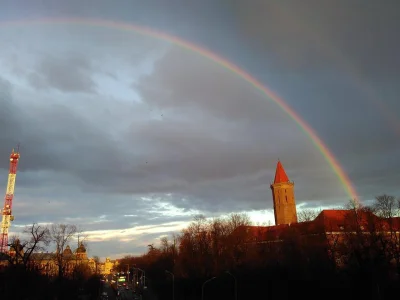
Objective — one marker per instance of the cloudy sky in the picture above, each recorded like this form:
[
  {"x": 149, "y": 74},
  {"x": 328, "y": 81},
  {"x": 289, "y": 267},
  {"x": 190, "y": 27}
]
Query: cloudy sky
[{"x": 130, "y": 136}]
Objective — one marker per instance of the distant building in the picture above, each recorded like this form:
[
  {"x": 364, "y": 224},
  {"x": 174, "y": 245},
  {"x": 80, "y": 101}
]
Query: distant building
[
  {"x": 46, "y": 263},
  {"x": 108, "y": 266}
]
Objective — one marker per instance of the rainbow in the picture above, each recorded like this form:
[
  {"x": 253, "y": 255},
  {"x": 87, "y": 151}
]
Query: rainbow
[{"x": 319, "y": 144}]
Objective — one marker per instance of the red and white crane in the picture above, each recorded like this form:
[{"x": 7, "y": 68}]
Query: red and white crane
[{"x": 6, "y": 212}]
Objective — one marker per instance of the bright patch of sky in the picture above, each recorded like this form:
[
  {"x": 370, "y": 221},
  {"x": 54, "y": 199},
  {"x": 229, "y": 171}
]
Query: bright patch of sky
[{"x": 131, "y": 234}]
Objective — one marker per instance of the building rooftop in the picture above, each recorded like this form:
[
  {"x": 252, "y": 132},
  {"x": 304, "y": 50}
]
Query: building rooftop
[{"x": 326, "y": 221}]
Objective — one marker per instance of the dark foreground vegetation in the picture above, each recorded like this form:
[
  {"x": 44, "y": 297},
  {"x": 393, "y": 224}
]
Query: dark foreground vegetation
[
  {"x": 363, "y": 264},
  {"x": 31, "y": 272},
  {"x": 19, "y": 283}
]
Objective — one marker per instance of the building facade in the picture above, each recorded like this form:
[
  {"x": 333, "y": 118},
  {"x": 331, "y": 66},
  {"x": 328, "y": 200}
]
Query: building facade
[
  {"x": 50, "y": 263},
  {"x": 108, "y": 267}
]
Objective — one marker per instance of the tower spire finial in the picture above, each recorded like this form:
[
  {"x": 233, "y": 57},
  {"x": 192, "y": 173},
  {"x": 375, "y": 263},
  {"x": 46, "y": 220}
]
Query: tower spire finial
[{"x": 280, "y": 174}]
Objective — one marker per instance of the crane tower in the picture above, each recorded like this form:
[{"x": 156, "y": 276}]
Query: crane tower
[{"x": 7, "y": 217}]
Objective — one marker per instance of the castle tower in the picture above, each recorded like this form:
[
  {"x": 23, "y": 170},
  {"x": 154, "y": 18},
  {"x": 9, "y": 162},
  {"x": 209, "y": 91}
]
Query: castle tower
[
  {"x": 283, "y": 197},
  {"x": 81, "y": 252},
  {"x": 67, "y": 251}
]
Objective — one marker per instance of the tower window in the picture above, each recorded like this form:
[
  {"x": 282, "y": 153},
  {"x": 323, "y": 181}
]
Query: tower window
[{"x": 286, "y": 198}]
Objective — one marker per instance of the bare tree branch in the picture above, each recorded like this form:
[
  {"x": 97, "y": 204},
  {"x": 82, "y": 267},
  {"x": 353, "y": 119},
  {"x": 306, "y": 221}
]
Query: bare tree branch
[
  {"x": 37, "y": 239},
  {"x": 386, "y": 206},
  {"x": 306, "y": 215},
  {"x": 61, "y": 236}
]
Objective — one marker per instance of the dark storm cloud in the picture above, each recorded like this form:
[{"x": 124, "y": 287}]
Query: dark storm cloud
[
  {"x": 353, "y": 128},
  {"x": 72, "y": 136},
  {"x": 321, "y": 34},
  {"x": 361, "y": 128},
  {"x": 245, "y": 147},
  {"x": 47, "y": 147},
  {"x": 8, "y": 119},
  {"x": 205, "y": 86},
  {"x": 6, "y": 101}
]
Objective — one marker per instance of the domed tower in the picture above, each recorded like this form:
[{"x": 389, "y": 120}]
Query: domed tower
[
  {"x": 67, "y": 251},
  {"x": 81, "y": 252},
  {"x": 283, "y": 197}
]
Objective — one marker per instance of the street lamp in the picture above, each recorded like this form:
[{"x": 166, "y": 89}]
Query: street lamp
[
  {"x": 128, "y": 272},
  {"x": 202, "y": 287},
  {"x": 143, "y": 275},
  {"x": 135, "y": 277},
  {"x": 173, "y": 283},
  {"x": 229, "y": 273}
]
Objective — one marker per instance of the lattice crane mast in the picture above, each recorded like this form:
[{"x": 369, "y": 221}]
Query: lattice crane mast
[{"x": 7, "y": 216}]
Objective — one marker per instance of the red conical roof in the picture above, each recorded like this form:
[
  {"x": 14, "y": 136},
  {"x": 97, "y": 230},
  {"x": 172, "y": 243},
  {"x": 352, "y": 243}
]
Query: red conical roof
[{"x": 280, "y": 174}]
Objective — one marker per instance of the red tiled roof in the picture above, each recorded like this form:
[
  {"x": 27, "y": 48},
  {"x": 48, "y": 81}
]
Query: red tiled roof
[
  {"x": 326, "y": 221},
  {"x": 280, "y": 174},
  {"x": 339, "y": 220}
]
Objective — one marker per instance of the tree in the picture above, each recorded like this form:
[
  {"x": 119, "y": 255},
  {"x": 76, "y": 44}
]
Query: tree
[
  {"x": 81, "y": 272},
  {"x": 236, "y": 220},
  {"x": 61, "y": 235},
  {"x": 306, "y": 215},
  {"x": 353, "y": 205},
  {"x": 96, "y": 260},
  {"x": 386, "y": 206},
  {"x": 195, "y": 249},
  {"x": 37, "y": 239},
  {"x": 366, "y": 245}
]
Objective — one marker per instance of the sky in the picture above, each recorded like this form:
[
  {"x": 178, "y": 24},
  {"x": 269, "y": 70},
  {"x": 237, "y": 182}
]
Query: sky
[{"x": 130, "y": 136}]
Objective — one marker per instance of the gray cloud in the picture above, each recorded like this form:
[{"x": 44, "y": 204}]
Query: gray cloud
[
  {"x": 67, "y": 74},
  {"x": 205, "y": 86}
]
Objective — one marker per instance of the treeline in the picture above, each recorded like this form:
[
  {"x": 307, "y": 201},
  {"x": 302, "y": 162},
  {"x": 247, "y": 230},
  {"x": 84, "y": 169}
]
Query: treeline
[
  {"x": 364, "y": 260},
  {"x": 38, "y": 267}
]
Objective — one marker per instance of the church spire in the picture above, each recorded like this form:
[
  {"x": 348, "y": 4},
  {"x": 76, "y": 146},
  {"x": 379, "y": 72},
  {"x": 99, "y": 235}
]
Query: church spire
[{"x": 280, "y": 174}]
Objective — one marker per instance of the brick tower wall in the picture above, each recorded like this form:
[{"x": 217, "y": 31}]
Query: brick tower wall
[{"x": 284, "y": 203}]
